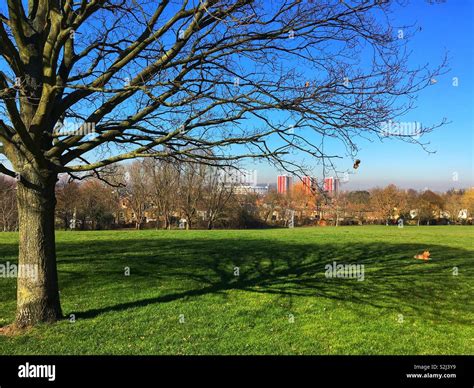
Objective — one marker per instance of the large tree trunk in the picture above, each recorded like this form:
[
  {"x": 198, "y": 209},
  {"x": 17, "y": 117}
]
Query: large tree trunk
[{"x": 37, "y": 296}]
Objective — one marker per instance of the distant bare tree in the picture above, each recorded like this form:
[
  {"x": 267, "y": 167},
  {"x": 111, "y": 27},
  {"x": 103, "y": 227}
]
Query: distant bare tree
[
  {"x": 68, "y": 195},
  {"x": 453, "y": 204},
  {"x": 468, "y": 202},
  {"x": 271, "y": 202},
  {"x": 190, "y": 190},
  {"x": 217, "y": 193},
  {"x": 358, "y": 204},
  {"x": 387, "y": 202},
  {"x": 164, "y": 181},
  {"x": 138, "y": 191},
  {"x": 430, "y": 206},
  {"x": 97, "y": 205}
]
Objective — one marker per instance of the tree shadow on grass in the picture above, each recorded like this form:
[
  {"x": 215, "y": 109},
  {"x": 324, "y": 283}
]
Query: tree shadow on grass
[{"x": 393, "y": 279}]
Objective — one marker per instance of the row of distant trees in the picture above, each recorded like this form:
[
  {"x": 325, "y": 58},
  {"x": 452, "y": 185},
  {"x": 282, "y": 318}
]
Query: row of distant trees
[
  {"x": 165, "y": 191},
  {"x": 169, "y": 192},
  {"x": 379, "y": 205},
  {"x": 390, "y": 204}
]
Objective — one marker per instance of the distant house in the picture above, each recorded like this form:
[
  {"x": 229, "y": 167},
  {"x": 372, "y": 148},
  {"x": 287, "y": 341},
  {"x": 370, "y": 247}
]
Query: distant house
[
  {"x": 463, "y": 214},
  {"x": 251, "y": 189}
]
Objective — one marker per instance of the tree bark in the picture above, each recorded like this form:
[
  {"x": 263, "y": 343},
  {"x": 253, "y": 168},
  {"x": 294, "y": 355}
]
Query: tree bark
[{"x": 37, "y": 296}]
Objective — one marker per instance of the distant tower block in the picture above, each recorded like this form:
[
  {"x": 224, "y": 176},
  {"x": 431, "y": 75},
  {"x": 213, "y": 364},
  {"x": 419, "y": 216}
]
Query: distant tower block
[
  {"x": 309, "y": 184},
  {"x": 284, "y": 184},
  {"x": 331, "y": 185}
]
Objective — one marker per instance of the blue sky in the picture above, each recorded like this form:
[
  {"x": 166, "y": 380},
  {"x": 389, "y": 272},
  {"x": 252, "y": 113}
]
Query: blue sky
[{"x": 445, "y": 28}]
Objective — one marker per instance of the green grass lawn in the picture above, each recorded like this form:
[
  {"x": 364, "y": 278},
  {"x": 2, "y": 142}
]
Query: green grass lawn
[{"x": 281, "y": 303}]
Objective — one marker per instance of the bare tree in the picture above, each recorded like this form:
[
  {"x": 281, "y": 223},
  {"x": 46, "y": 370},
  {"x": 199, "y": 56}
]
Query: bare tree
[
  {"x": 430, "y": 206},
  {"x": 468, "y": 202},
  {"x": 217, "y": 193},
  {"x": 303, "y": 200},
  {"x": 271, "y": 202},
  {"x": 138, "y": 191},
  {"x": 164, "y": 180},
  {"x": 387, "y": 202},
  {"x": 190, "y": 190},
  {"x": 168, "y": 79},
  {"x": 68, "y": 196},
  {"x": 359, "y": 204},
  {"x": 453, "y": 204},
  {"x": 96, "y": 206}
]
